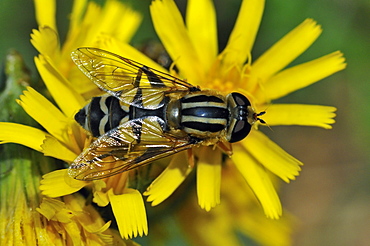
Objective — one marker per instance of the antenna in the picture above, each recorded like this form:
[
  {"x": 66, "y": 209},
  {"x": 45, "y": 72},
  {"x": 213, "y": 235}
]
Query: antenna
[{"x": 261, "y": 120}]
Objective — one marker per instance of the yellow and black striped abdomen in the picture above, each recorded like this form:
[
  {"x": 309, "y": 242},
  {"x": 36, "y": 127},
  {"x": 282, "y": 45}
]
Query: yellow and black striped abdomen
[
  {"x": 102, "y": 114},
  {"x": 203, "y": 114}
]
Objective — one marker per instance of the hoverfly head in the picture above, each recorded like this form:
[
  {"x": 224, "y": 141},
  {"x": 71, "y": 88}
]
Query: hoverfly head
[{"x": 242, "y": 117}]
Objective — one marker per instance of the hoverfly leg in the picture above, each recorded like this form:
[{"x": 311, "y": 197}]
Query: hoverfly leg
[
  {"x": 129, "y": 147},
  {"x": 190, "y": 154},
  {"x": 225, "y": 147}
]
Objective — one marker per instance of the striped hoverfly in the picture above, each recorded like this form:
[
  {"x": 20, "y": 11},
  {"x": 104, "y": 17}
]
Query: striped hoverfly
[{"x": 147, "y": 115}]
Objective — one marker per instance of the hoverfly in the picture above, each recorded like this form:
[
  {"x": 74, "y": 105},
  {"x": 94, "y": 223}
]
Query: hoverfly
[{"x": 147, "y": 115}]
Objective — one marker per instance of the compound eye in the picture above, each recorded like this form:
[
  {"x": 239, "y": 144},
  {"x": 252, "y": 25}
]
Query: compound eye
[
  {"x": 240, "y": 99},
  {"x": 240, "y": 130}
]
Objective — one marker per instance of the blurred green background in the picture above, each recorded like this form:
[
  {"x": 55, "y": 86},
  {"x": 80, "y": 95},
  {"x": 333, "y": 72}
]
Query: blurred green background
[{"x": 331, "y": 197}]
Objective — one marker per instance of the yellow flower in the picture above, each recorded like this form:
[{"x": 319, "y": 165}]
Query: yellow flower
[
  {"x": 62, "y": 221},
  {"x": 238, "y": 213},
  {"x": 72, "y": 218},
  {"x": 85, "y": 29},
  {"x": 56, "y": 222},
  {"x": 193, "y": 47},
  {"x": 62, "y": 137}
]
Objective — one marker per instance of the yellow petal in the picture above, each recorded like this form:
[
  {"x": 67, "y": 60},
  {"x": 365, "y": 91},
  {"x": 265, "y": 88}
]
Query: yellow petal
[
  {"x": 259, "y": 181},
  {"x": 202, "y": 27},
  {"x": 58, "y": 183},
  {"x": 298, "y": 114},
  {"x": 63, "y": 216},
  {"x": 75, "y": 18},
  {"x": 56, "y": 210},
  {"x": 285, "y": 51},
  {"x": 170, "y": 28},
  {"x": 100, "y": 196},
  {"x": 300, "y": 76},
  {"x": 130, "y": 214},
  {"x": 89, "y": 222},
  {"x": 85, "y": 33},
  {"x": 216, "y": 227},
  {"x": 46, "y": 41},
  {"x": 73, "y": 230},
  {"x": 265, "y": 231},
  {"x": 171, "y": 178},
  {"x": 91, "y": 227},
  {"x": 44, "y": 112},
  {"x": 71, "y": 221},
  {"x": 244, "y": 33},
  {"x": 115, "y": 19},
  {"x": 49, "y": 207},
  {"x": 249, "y": 218},
  {"x": 52, "y": 147},
  {"x": 21, "y": 134},
  {"x": 119, "y": 21},
  {"x": 271, "y": 156},
  {"x": 67, "y": 99},
  {"x": 128, "y": 51},
  {"x": 45, "y": 13},
  {"x": 209, "y": 177},
  {"x": 89, "y": 218}
]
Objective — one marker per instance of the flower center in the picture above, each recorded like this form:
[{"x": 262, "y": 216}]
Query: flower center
[{"x": 222, "y": 85}]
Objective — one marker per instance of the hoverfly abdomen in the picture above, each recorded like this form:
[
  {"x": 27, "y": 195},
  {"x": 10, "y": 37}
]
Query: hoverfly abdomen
[{"x": 102, "y": 114}]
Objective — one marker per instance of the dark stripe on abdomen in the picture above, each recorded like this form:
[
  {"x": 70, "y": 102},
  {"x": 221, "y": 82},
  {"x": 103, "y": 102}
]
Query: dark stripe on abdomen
[
  {"x": 201, "y": 98},
  {"x": 95, "y": 116},
  {"x": 207, "y": 112},
  {"x": 204, "y": 127},
  {"x": 116, "y": 113}
]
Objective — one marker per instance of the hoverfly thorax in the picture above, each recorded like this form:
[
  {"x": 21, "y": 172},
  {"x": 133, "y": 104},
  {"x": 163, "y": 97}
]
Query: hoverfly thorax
[{"x": 242, "y": 117}]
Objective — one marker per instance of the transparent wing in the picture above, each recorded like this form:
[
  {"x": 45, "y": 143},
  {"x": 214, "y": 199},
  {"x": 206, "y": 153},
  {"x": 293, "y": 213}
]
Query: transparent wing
[
  {"x": 148, "y": 98},
  {"x": 114, "y": 73},
  {"x": 128, "y": 146}
]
